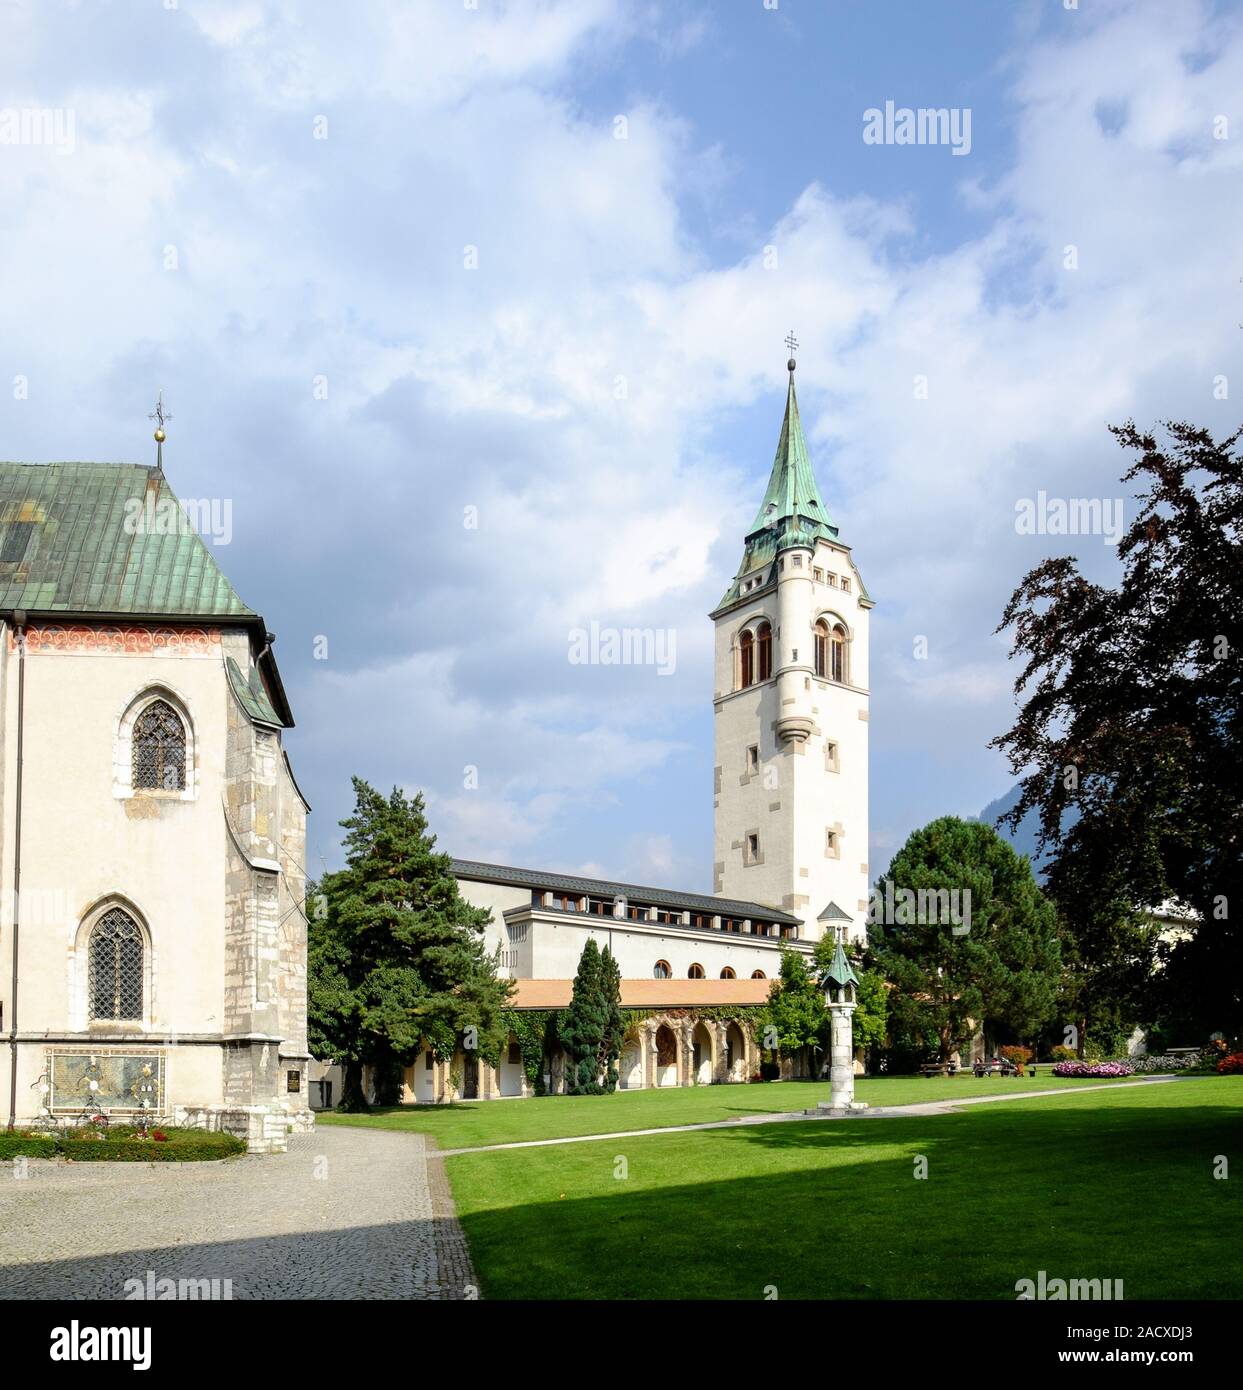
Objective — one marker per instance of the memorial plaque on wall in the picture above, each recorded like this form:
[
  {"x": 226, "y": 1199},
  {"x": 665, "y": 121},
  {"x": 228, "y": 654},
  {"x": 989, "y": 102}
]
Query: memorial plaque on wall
[{"x": 114, "y": 1081}]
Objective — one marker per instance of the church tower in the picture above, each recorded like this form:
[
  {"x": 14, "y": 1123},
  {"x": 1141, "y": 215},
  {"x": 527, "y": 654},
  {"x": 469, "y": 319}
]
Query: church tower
[{"x": 791, "y": 708}]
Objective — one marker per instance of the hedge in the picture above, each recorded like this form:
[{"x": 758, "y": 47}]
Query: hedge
[{"x": 181, "y": 1146}]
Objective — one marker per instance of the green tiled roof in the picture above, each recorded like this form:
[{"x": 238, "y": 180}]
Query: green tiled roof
[{"x": 65, "y": 545}]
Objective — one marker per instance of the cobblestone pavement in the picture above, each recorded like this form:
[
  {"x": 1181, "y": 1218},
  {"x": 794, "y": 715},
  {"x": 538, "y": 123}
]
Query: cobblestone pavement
[{"x": 346, "y": 1213}]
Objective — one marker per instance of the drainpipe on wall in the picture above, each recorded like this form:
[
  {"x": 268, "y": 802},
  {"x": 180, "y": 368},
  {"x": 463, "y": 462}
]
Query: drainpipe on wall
[{"x": 19, "y": 625}]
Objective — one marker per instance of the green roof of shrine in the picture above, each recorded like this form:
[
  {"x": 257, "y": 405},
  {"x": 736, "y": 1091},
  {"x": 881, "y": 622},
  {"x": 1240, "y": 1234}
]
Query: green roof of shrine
[
  {"x": 82, "y": 538},
  {"x": 840, "y": 971}
]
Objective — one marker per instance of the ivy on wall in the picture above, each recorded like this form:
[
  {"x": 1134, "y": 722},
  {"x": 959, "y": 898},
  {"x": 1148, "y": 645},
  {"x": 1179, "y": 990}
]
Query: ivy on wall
[{"x": 536, "y": 1031}]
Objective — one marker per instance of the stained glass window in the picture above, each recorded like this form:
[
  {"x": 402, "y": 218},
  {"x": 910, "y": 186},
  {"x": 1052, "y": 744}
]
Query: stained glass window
[{"x": 160, "y": 749}]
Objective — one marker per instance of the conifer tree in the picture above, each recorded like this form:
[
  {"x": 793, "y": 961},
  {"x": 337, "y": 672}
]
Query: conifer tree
[
  {"x": 396, "y": 957},
  {"x": 582, "y": 1026},
  {"x": 614, "y": 1026}
]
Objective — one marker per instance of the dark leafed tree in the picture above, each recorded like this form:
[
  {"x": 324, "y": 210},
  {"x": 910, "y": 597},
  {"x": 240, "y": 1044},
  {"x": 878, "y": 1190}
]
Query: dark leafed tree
[
  {"x": 582, "y": 1026},
  {"x": 795, "y": 1011},
  {"x": 396, "y": 957},
  {"x": 614, "y": 1031},
  {"x": 869, "y": 1022},
  {"x": 1131, "y": 709},
  {"x": 1004, "y": 968}
]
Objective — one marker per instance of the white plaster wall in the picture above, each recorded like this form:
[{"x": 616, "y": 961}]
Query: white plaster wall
[
  {"x": 81, "y": 843},
  {"x": 796, "y": 795}
]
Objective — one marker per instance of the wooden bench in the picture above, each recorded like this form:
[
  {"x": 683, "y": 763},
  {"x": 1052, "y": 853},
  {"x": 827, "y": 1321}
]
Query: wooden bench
[{"x": 936, "y": 1069}]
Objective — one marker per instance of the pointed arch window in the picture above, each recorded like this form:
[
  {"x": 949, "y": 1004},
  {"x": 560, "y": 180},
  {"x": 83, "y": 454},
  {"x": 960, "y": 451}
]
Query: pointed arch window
[
  {"x": 159, "y": 749},
  {"x": 115, "y": 967},
  {"x": 746, "y": 660},
  {"x": 764, "y": 652}
]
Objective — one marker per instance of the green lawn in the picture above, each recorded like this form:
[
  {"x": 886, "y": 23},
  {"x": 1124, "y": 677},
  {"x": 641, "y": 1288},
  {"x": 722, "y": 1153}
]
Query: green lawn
[
  {"x": 472, "y": 1123},
  {"x": 1113, "y": 1184}
]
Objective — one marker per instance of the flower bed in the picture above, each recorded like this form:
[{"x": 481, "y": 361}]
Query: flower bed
[
  {"x": 1182, "y": 1061},
  {"x": 121, "y": 1144},
  {"x": 1232, "y": 1065},
  {"x": 1093, "y": 1069}
]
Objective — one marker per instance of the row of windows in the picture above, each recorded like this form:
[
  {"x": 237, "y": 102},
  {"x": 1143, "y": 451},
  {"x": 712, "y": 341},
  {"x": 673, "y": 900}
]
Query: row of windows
[
  {"x": 819, "y": 575},
  {"x": 646, "y": 912},
  {"x": 755, "y": 653},
  {"x": 661, "y": 971}
]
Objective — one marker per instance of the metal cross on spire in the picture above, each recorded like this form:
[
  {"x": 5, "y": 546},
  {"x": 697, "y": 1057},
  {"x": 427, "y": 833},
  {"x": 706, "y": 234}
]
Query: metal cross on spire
[
  {"x": 159, "y": 416},
  {"x": 792, "y": 344}
]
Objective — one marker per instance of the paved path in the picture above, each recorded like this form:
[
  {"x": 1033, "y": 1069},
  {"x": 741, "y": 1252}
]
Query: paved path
[
  {"x": 929, "y": 1107},
  {"x": 346, "y": 1213}
]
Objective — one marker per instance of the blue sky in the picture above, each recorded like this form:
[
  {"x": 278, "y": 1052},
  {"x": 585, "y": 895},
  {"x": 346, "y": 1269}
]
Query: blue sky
[{"x": 265, "y": 211}]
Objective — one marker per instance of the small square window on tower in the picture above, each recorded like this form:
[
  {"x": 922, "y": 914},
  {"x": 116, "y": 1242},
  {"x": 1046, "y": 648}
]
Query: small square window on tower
[
  {"x": 846, "y": 586},
  {"x": 830, "y": 756},
  {"x": 819, "y": 574},
  {"x": 753, "y": 848},
  {"x": 830, "y": 843},
  {"x": 753, "y": 758},
  {"x": 832, "y": 580}
]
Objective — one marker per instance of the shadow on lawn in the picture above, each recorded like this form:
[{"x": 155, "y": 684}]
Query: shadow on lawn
[{"x": 1001, "y": 1201}]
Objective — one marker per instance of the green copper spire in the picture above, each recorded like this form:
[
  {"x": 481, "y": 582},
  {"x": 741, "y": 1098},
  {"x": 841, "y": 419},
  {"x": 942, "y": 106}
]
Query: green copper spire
[
  {"x": 792, "y": 494},
  {"x": 792, "y": 512}
]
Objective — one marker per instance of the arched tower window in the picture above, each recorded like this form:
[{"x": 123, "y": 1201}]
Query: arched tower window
[
  {"x": 831, "y": 661},
  {"x": 159, "y": 749},
  {"x": 115, "y": 967},
  {"x": 746, "y": 659},
  {"x": 764, "y": 652},
  {"x": 837, "y": 653}
]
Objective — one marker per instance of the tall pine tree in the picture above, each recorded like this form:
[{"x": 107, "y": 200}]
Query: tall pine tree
[
  {"x": 396, "y": 957},
  {"x": 614, "y": 1026},
  {"x": 582, "y": 1026}
]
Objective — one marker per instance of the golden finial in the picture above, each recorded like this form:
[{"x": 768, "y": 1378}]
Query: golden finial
[{"x": 159, "y": 417}]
